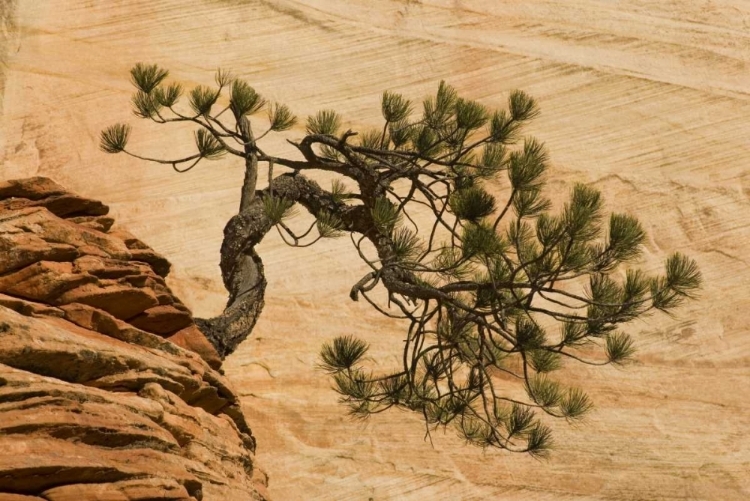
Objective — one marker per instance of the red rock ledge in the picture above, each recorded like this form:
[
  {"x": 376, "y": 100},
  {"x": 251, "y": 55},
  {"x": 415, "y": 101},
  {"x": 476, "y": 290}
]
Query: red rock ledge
[{"x": 108, "y": 390}]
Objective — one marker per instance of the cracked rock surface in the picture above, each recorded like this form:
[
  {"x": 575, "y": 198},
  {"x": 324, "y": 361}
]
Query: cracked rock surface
[{"x": 108, "y": 390}]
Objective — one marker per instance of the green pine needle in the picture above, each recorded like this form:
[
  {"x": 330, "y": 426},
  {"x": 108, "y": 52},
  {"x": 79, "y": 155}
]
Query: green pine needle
[
  {"x": 356, "y": 387},
  {"x": 385, "y": 215},
  {"x": 395, "y": 388},
  {"x": 573, "y": 333},
  {"x": 522, "y": 106},
  {"x": 208, "y": 146},
  {"x": 405, "y": 244},
  {"x": 526, "y": 167},
  {"x": 339, "y": 191},
  {"x": 329, "y": 225},
  {"x": 539, "y": 441},
  {"x": 545, "y": 361},
  {"x": 278, "y": 208},
  {"x": 281, "y": 117},
  {"x": 475, "y": 431},
  {"x": 548, "y": 229},
  {"x": 481, "y": 240},
  {"x": 472, "y": 204},
  {"x": 625, "y": 237},
  {"x": 619, "y": 347},
  {"x": 575, "y": 404},
  {"x": 439, "y": 109},
  {"x": 449, "y": 263},
  {"x": 503, "y": 128},
  {"x": 370, "y": 138},
  {"x": 455, "y": 330},
  {"x": 342, "y": 354},
  {"x": 223, "y": 77},
  {"x": 519, "y": 420},
  {"x": 202, "y": 98},
  {"x": 493, "y": 160},
  {"x": 243, "y": 100},
  {"x": 147, "y": 77},
  {"x": 359, "y": 409},
  {"x": 529, "y": 336},
  {"x": 683, "y": 275},
  {"x": 470, "y": 115},
  {"x": 602, "y": 289},
  {"x": 114, "y": 138},
  {"x": 325, "y": 122},
  {"x": 544, "y": 391},
  {"x": 400, "y": 133},
  {"x": 446, "y": 97},
  {"x": 426, "y": 141},
  {"x": 582, "y": 216},
  {"x": 144, "y": 105},
  {"x": 169, "y": 96},
  {"x": 395, "y": 107},
  {"x": 634, "y": 291},
  {"x": 530, "y": 203}
]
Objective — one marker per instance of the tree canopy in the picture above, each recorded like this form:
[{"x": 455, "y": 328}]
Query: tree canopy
[{"x": 496, "y": 293}]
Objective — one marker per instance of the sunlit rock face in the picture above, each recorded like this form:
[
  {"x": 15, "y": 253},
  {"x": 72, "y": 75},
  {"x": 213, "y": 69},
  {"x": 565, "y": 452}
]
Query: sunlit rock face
[
  {"x": 647, "y": 101},
  {"x": 108, "y": 390}
]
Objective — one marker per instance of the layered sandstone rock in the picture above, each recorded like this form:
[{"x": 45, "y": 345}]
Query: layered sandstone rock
[
  {"x": 645, "y": 100},
  {"x": 108, "y": 390}
]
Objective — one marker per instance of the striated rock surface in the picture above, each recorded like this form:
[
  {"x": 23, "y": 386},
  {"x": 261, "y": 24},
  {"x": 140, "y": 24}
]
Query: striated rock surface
[
  {"x": 646, "y": 100},
  {"x": 108, "y": 390}
]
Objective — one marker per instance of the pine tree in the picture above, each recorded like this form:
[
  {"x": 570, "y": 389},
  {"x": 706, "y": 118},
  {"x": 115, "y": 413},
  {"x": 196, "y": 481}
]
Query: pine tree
[{"x": 495, "y": 295}]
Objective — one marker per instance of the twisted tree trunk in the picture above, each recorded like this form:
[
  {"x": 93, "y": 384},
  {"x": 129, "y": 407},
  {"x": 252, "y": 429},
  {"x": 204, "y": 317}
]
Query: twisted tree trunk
[
  {"x": 244, "y": 278},
  {"x": 241, "y": 266}
]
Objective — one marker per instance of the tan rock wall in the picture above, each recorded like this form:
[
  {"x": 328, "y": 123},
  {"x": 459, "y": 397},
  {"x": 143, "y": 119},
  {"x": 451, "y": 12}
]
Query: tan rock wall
[
  {"x": 107, "y": 388},
  {"x": 646, "y": 99}
]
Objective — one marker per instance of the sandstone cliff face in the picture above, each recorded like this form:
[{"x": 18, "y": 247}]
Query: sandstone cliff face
[
  {"x": 107, "y": 388},
  {"x": 647, "y": 100}
]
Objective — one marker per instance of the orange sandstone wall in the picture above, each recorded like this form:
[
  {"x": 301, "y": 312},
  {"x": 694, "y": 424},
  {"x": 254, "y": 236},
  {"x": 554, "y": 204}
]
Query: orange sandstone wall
[
  {"x": 107, "y": 388},
  {"x": 647, "y": 100}
]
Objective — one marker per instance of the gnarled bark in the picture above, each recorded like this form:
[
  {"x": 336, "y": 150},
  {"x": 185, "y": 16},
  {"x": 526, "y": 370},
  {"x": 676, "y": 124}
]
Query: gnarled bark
[
  {"x": 241, "y": 266},
  {"x": 244, "y": 279}
]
